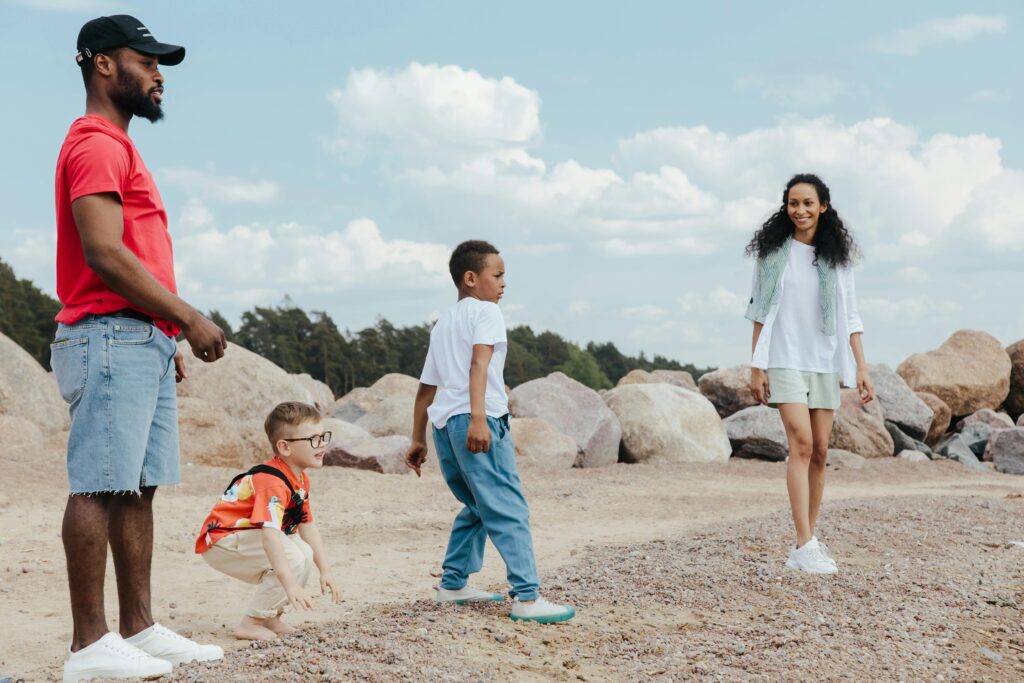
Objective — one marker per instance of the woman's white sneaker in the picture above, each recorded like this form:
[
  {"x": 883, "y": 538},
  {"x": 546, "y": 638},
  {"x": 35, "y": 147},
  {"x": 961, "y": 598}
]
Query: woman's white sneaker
[
  {"x": 824, "y": 550},
  {"x": 165, "y": 644},
  {"x": 541, "y": 611},
  {"x": 112, "y": 657},
  {"x": 809, "y": 558},
  {"x": 466, "y": 594}
]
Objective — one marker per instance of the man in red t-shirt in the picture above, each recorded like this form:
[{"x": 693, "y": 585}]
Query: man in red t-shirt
[{"x": 115, "y": 356}]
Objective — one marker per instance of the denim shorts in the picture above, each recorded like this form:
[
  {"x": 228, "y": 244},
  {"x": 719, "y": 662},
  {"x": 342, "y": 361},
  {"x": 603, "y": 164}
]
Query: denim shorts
[
  {"x": 117, "y": 376},
  {"x": 817, "y": 390}
]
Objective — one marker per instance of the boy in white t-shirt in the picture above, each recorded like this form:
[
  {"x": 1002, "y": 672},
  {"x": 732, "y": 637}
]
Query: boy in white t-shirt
[{"x": 462, "y": 392}]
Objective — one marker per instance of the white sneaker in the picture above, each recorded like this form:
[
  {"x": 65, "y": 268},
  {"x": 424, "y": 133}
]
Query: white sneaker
[
  {"x": 824, "y": 550},
  {"x": 809, "y": 558},
  {"x": 541, "y": 611},
  {"x": 465, "y": 594},
  {"x": 163, "y": 643},
  {"x": 112, "y": 657}
]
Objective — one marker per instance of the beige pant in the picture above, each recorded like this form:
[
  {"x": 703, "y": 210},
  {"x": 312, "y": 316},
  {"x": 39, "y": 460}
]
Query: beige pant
[{"x": 241, "y": 556}]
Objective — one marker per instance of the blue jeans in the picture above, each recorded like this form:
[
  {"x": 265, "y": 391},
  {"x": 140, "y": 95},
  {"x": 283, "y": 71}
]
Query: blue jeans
[
  {"x": 117, "y": 376},
  {"x": 488, "y": 484}
]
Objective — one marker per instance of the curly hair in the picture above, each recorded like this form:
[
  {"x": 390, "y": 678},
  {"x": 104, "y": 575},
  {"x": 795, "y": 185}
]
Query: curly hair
[{"x": 832, "y": 241}]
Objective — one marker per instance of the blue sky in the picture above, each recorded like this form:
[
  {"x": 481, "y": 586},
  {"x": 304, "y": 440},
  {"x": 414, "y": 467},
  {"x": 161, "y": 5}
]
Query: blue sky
[{"x": 620, "y": 156}]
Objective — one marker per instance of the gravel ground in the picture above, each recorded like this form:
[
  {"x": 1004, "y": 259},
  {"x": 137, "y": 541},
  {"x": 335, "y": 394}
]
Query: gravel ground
[{"x": 930, "y": 589}]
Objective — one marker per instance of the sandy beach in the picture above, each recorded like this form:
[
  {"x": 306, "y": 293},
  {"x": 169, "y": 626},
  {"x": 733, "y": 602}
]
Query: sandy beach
[{"x": 676, "y": 570}]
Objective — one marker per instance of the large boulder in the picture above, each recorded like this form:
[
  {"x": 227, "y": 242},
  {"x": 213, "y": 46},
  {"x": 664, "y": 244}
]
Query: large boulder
[
  {"x": 678, "y": 378},
  {"x": 27, "y": 390},
  {"x": 210, "y": 436},
  {"x": 574, "y": 409},
  {"x": 539, "y": 443},
  {"x": 840, "y": 458},
  {"x": 323, "y": 397},
  {"x": 1014, "y": 403},
  {"x": 956, "y": 448},
  {"x": 392, "y": 415},
  {"x": 19, "y": 432},
  {"x": 970, "y": 371},
  {"x": 900, "y": 404},
  {"x": 757, "y": 432},
  {"x": 860, "y": 429},
  {"x": 986, "y": 416},
  {"x": 942, "y": 416},
  {"x": 728, "y": 389},
  {"x": 222, "y": 406},
  {"x": 665, "y": 423},
  {"x": 354, "y": 447},
  {"x": 1006, "y": 451},
  {"x": 356, "y": 403},
  {"x": 903, "y": 441}
]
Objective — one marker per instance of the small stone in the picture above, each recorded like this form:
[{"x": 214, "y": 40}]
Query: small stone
[
  {"x": 741, "y": 648},
  {"x": 173, "y": 605},
  {"x": 994, "y": 656},
  {"x": 423, "y": 632},
  {"x": 500, "y": 637}
]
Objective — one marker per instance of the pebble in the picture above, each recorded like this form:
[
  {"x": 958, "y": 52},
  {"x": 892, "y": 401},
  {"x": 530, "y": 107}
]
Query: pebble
[{"x": 994, "y": 656}]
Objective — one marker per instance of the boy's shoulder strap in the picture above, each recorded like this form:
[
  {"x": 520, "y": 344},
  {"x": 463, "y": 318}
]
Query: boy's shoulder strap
[{"x": 263, "y": 469}]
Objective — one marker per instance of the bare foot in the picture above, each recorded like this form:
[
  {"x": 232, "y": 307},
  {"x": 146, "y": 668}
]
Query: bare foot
[
  {"x": 251, "y": 628},
  {"x": 277, "y": 626}
]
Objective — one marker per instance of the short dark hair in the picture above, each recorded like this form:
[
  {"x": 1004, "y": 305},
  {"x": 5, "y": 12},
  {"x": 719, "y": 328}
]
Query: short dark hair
[
  {"x": 469, "y": 256},
  {"x": 290, "y": 413},
  {"x": 88, "y": 66}
]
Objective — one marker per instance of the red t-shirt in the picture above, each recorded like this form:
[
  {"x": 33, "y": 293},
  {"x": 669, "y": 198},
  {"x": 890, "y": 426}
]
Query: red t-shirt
[
  {"x": 99, "y": 157},
  {"x": 255, "y": 501}
]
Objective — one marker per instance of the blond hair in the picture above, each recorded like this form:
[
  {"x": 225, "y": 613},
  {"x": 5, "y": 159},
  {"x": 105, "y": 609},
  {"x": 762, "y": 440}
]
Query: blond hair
[{"x": 288, "y": 414}]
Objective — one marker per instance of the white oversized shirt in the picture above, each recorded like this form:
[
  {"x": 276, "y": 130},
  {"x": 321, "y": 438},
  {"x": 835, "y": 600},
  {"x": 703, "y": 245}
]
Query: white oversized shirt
[
  {"x": 467, "y": 323},
  {"x": 797, "y": 340}
]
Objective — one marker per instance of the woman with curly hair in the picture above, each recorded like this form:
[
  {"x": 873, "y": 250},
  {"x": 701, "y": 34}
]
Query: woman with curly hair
[{"x": 807, "y": 341}]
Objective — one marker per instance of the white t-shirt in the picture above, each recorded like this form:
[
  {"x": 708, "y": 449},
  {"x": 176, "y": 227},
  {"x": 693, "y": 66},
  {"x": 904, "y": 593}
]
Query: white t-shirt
[
  {"x": 465, "y": 324},
  {"x": 797, "y": 340}
]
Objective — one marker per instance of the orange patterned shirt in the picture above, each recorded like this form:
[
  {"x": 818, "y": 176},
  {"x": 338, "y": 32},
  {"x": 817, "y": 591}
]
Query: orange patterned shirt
[{"x": 255, "y": 501}]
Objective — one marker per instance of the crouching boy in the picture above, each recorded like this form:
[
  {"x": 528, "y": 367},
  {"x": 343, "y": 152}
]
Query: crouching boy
[
  {"x": 462, "y": 393},
  {"x": 262, "y": 530}
]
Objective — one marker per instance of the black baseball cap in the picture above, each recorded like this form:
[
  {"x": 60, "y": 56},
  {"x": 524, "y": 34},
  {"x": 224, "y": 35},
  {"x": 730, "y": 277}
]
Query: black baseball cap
[{"x": 121, "y": 30}]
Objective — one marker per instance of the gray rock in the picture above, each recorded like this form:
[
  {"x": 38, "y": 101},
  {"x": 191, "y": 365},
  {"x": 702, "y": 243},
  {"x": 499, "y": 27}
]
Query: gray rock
[
  {"x": 1006, "y": 450},
  {"x": 385, "y": 454},
  {"x": 666, "y": 423},
  {"x": 757, "y": 432},
  {"x": 574, "y": 409},
  {"x": 1020, "y": 420},
  {"x": 840, "y": 458},
  {"x": 986, "y": 416},
  {"x": 955, "y": 448},
  {"x": 728, "y": 389},
  {"x": 976, "y": 436},
  {"x": 904, "y": 442},
  {"x": 356, "y": 403},
  {"x": 900, "y": 404},
  {"x": 538, "y": 442},
  {"x": 860, "y": 429},
  {"x": 994, "y": 656},
  {"x": 913, "y": 456}
]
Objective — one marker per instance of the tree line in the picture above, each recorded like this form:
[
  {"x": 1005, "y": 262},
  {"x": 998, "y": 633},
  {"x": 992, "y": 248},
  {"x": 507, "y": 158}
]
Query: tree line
[{"x": 313, "y": 343}]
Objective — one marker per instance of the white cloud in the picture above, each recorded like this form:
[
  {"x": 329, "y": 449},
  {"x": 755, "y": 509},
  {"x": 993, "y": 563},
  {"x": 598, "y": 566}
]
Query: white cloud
[
  {"x": 989, "y": 96},
  {"x": 431, "y": 107},
  {"x": 717, "y": 302},
  {"x": 250, "y": 264},
  {"x": 913, "y": 274},
  {"x": 578, "y": 308},
  {"x": 225, "y": 189},
  {"x": 890, "y": 184},
  {"x": 960, "y": 29},
  {"x": 645, "y": 312},
  {"x": 796, "y": 89},
  {"x": 905, "y": 309}
]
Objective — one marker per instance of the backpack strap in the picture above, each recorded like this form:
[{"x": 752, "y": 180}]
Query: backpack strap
[{"x": 295, "y": 514}]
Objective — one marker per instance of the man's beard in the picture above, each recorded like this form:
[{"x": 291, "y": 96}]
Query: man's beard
[{"x": 132, "y": 98}]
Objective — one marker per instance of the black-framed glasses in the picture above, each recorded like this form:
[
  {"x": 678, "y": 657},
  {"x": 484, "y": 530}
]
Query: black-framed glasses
[{"x": 315, "y": 441}]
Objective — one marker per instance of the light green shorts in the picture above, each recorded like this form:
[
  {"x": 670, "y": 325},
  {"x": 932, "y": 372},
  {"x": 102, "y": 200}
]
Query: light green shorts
[{"x": 814, "y": 389}]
